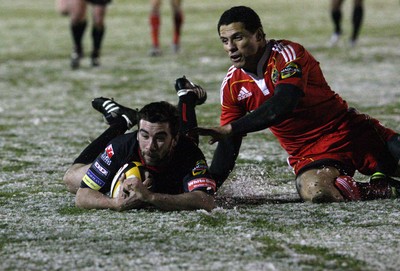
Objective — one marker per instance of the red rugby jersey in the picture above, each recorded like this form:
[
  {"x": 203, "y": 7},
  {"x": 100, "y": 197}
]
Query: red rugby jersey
[{"x": 318, "y": 112}]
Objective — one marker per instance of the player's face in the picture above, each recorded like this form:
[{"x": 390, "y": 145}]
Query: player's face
[
  {"x": 241, "y": 45},
  {"x": 155, "y": 141}
]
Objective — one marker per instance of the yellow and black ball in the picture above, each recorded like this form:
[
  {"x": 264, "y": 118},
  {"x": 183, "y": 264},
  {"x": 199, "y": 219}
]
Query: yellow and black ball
[{"x": 131, "y": 169}]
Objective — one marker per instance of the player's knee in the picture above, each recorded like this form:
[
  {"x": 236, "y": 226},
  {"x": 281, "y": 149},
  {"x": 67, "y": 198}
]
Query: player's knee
[
  {"x": 99, "y": 24},
  {"x": 317, "y": 185},
  {"x": 314, "y": 192}
]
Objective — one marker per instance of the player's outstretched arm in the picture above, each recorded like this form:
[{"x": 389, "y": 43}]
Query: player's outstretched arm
[
  {"x": 187, "y": 201},
  {"x": 269, "y": 113},
  {"x": 87, "y": 198},
  {"x": 224, "y": 158}
]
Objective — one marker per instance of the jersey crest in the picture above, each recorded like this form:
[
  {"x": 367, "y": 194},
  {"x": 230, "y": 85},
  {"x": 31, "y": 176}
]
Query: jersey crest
[
  {"x": 274, "y": 75},
  {"x": 200, "y": 168}
]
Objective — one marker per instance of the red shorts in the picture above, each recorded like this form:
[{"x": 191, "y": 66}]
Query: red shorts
[{"x": 359, "y": 143}]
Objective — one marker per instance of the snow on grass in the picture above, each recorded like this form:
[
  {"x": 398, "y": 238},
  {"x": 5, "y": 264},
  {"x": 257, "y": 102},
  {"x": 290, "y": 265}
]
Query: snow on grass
[{"x": 46, "y": 119}]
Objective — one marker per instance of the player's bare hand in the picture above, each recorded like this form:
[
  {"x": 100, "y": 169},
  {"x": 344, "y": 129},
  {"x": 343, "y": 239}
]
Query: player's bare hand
[
  {"x": 216, "y": 133},
  {"x": 148, "y": 182},
  {"x": 127, "y": 199},
  {"x": 140, "y": 189}
]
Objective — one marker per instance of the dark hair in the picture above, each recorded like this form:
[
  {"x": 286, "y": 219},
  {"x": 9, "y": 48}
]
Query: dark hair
[
  {"x": 241, "y": 14},
  {"x": 161, "y": 112}
]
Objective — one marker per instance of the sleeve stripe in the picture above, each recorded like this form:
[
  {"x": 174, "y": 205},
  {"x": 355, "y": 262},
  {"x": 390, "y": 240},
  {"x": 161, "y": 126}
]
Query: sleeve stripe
[
  {"x": 224, "y": 82},
  {"x": 286, "y": 51},
  {"x": 91, "y": 180}
]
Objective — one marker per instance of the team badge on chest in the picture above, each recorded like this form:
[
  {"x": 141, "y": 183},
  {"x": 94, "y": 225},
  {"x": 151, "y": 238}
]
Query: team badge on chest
[{"x": 274, "y": 75}]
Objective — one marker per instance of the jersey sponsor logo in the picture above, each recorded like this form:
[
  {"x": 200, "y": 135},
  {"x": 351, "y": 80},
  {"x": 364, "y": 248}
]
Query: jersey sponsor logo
[
  {"x": 105, "y": 158},
  {"x": 91, "y": 180},
  {"x": 209, "y": 184},
  {"x": 110, "y": 151},
  {"x": 243, "y": 94},
  {"x": 291, "y": 70},
  {"x": 200, "y": 168},
  {"x": 100, "y": 169}
]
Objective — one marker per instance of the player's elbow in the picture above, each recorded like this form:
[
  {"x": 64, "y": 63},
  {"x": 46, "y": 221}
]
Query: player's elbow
[
  {"x": 210, "y": 206},
  {"x": 73, "y": 177},
  {"x": 80, "y": 199},
  {"x": 207, "y": 202},
  {"x": 78, "y": 204},
  {"x": 70, "y": 183}
]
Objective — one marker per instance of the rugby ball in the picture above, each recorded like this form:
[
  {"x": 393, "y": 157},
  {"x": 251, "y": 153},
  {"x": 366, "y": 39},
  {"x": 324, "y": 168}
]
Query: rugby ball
[{"x": 131, "y": 169}]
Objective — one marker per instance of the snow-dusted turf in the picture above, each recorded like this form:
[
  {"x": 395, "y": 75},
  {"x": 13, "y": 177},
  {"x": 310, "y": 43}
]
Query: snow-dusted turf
[{"x": 46, "y": 120}]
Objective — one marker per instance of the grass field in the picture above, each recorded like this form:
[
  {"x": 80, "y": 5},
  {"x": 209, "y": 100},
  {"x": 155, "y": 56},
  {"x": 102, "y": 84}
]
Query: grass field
[{"x": 46, "y": 120}]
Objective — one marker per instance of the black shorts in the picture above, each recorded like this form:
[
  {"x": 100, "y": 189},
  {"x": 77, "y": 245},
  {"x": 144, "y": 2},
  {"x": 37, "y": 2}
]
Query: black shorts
[{"x": 99, "y": 2}]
